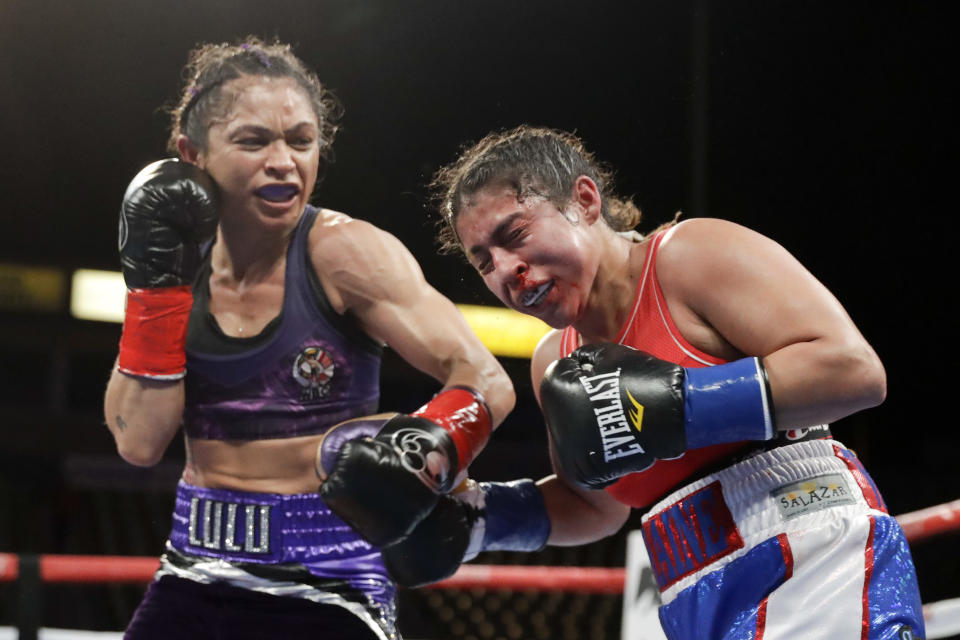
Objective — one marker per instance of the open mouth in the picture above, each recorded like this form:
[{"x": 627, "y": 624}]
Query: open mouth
[
  {"x": 535, "y": 296},
  {"x": 278, "y": 192}
]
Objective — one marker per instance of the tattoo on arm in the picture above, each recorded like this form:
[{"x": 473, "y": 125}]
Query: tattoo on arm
[{"x": 121, "y": 424}]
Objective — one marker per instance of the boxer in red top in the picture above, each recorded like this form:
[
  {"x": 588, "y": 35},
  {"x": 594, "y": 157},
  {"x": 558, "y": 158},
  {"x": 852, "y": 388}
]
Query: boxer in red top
[{"x": 692, "y": 374}]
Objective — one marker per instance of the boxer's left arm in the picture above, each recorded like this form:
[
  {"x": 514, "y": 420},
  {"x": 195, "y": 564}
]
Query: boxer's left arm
[{"x": 763, "y": 302}]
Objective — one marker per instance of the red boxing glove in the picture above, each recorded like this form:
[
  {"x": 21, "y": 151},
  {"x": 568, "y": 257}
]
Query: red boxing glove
[{"x": 154, "y": 335}]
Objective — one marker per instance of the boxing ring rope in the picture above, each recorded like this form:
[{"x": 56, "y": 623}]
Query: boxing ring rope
[{"x": 943, "y": 618}]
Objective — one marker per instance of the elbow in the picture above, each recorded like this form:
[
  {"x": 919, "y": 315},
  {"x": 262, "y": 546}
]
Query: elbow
[
  {"x": 612, "y": 523},
  {"x": 137, "y": 452},
  {"x": 864, "y": 368},
  {"x": 139, "y": 456},
  {"x": 875, "y": 380},
  {"x": 501, "y": 398}
]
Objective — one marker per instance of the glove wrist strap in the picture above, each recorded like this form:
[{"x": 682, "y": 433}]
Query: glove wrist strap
[
  {"x": 463, "y": 413},
  {"x": 516, "y": 517},
  {"x": 727, "y": 403},
  {"x": 154, "y": 339}
]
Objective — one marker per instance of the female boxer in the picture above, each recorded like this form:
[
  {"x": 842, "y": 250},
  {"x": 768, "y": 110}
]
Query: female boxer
[
  {"x": 690, "y": 373},
  {"x": 256, "y": 321}
]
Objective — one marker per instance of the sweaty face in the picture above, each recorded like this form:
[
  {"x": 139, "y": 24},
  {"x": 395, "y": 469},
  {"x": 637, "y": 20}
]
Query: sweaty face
[
  {"x": 534, "y": 258},
  {"x": 264, "y": 153}
]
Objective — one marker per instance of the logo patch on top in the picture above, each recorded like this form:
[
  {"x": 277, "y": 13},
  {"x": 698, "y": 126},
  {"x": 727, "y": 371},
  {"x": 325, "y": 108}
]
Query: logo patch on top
[
  {"x": 800, "y": 498},
  {"x": 313, "y": 370}
]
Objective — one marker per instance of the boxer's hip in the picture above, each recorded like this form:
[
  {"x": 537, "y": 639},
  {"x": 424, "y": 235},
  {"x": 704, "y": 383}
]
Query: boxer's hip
[
  {"x": 285, "y": 545},
  {"x": 711, "y": 522}
]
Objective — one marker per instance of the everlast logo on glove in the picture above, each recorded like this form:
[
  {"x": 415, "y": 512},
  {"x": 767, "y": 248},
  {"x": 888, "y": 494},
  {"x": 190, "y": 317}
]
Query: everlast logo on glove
[{"x": 616, "y": 434}]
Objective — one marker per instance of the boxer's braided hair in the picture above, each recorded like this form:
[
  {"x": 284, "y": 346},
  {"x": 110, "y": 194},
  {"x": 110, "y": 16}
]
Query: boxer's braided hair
[
  {"x": 212, "y": 66},
  {"x": 533, "y": 161}
]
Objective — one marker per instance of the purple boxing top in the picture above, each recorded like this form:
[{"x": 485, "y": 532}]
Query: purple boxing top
[{"x": 306, "y": 371}]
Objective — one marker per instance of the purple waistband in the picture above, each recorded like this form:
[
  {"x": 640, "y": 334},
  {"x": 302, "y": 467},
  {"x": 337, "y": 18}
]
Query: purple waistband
[{"x": 263, "y": 528}]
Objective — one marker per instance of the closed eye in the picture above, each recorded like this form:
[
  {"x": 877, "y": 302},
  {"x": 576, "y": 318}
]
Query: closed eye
[
  {"x": 251, "y": 142},
  {"x": 484, "y": 266},
  {"x": 302, "y": 143},
  {"x": 515, "y": 234}
]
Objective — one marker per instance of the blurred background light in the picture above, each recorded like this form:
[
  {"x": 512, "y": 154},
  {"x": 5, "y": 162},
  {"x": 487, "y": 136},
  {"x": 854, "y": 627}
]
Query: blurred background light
[
  {"x": 99, "y": 295},
  {"x": 24, "y": 288}
]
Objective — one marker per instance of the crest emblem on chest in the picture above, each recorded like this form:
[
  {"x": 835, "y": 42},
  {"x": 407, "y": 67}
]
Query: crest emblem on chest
[{"x": 314, "y": 370}]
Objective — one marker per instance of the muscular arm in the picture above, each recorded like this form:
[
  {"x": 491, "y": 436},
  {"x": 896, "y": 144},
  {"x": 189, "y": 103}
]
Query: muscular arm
[
  {"x": 143, "y": 416},
  {"x": 721, "y": 278},
  {"x": 371, "y": 275}
]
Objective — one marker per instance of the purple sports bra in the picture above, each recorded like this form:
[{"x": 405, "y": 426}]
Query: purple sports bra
[{"x": 309, "y": 369}]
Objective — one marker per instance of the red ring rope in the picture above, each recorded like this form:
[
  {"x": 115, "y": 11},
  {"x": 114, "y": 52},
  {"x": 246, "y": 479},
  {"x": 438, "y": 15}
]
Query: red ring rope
[{"x": 917, "y": 525}]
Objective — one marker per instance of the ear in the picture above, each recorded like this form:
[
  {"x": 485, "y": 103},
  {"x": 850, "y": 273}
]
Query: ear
[
  {"x": 188, "y": 151},
  {"x": 587, "y": 195}
]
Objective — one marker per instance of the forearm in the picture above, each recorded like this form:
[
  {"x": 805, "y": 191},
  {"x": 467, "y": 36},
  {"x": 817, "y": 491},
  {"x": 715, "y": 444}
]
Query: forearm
[
  {"x": 143, "y": 416},
  {"x": 821, "y": 381},
  {"x": 580, "y": 516},
  {"x": 482, "y": 372}
]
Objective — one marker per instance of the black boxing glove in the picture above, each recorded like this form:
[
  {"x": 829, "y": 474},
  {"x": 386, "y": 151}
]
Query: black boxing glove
[
  {"x": 612, "y": 410},
  {"x": 168, "y": 210},
  {"x": 486, "y": 516},
  {"x": 384, "y": 485}
]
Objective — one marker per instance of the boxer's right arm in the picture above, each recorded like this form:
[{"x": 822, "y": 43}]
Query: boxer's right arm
[
  {"x": 485, "y": 516},
  {"x": 500, "y": 516},
  {"x": 168, "y": 210},
  {"x": 386, "y": 484},
  {"x": 142, "y": 415}
]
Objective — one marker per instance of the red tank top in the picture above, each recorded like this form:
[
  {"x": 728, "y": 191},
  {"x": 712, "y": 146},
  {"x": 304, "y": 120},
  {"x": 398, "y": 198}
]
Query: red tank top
[{"x": 650, "y": 328}]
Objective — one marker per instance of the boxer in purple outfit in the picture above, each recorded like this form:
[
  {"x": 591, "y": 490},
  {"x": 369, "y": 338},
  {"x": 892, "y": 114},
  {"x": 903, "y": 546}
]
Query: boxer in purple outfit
[{"x": 257, "y": 322}]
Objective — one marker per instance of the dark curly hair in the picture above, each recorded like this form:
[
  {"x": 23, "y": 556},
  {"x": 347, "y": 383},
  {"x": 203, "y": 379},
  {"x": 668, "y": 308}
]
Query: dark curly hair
[
  {"x": 212, "y": 66},
  {"x": 532, "y": 161}
]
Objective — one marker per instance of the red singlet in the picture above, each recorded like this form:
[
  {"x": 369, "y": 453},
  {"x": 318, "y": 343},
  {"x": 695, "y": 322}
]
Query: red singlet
[{"x": 650, "y": 328}]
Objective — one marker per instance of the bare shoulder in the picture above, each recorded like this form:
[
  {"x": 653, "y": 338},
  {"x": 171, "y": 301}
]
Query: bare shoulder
[
  {"x": 336, "y": 235},
  {"x": 546, "y": 352},
  {"x": 357, "y": 261},
  {"x": 700, "y": 235},
  {"x": 338, "y": 242},
  {"x": 700, "y": 247}
]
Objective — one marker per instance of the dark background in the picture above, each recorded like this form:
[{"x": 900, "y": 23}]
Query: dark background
[{"x": 827, "y": 126}]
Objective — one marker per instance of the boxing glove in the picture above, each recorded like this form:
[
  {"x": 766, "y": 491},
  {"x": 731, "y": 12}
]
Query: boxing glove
[
  {"x": 168, "y": 210},
  {"x": 613, "y": 410},
  {"x": 486, "y": 516},
  {"x": 383, "y": 485}
]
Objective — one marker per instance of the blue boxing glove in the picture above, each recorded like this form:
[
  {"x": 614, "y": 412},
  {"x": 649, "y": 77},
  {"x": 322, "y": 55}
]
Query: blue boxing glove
[
  {"x": 612, "y": 410},
  {"x": 486, "y": 516}
]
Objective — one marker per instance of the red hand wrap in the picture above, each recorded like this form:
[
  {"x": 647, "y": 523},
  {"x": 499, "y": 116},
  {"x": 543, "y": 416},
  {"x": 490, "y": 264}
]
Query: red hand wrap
[
  {"x": 154, "y": 337},
  {"x": 464, "y": 414}
]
